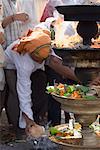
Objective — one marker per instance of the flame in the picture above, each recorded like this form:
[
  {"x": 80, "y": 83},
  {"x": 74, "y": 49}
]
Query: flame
[
  {"x": 59, "y": 33},
  {"x": 62, "y": 40}
]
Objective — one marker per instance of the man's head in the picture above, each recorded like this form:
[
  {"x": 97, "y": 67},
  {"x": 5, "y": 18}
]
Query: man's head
[{"x": 37, "y": 44}]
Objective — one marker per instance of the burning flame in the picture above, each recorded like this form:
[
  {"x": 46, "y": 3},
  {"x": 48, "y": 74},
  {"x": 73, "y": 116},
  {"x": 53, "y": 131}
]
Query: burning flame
[
  {"x": 62, "y": 39},
  {"x": 59, "y": 33}
]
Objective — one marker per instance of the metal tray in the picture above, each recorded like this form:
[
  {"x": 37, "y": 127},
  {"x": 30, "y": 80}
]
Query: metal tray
[{"x": 80, "y": 12}]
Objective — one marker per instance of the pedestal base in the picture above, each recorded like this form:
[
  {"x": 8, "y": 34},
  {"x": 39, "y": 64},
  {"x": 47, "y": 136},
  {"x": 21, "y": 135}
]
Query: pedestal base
[
  {"x": 89, "y": 142},
  {"x": 87, "y": 111}
]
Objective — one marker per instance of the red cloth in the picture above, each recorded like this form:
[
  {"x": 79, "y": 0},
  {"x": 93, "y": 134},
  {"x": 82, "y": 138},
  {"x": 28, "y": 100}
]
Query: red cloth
[{"x": 48, "y": 12}]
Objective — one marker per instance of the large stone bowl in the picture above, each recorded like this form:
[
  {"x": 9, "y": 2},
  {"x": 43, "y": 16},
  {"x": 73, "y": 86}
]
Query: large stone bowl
[{"x": 86, "y": 112}]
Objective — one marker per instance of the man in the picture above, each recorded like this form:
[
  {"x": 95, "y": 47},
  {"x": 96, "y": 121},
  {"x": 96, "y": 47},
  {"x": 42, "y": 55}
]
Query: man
[
  {"x": 26, "y": 56},
  {"x": 11, "y": 22},
  {"x": 11, "y": 26}
]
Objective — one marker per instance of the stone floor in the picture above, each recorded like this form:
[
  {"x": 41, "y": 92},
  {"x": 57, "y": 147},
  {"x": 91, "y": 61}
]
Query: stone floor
[
  {"x": 11, "y": 140},
  {"x": 17, "y": 140},
  {"x": 7, "y": 133}
]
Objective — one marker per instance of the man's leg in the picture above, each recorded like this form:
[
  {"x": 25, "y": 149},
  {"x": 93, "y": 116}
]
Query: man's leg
[
  {"x": 54, "y": 107},
  {"x": 2, "y": 99},
  {"x": 39, "y": 96},
  {"x": 12, "y": 102}
]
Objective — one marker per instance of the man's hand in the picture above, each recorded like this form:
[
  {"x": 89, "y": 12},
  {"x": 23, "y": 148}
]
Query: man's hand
[
  {"x": 36, "y": 130},
  {"x": 29, "y": 124},
  {"x": 16, "y": 17},
  {"x": 2, "y": 39},
  {"x": 21, "y": 17},
  {"x": 96, "y": 81},
  {"x": 32, "y": 129}
]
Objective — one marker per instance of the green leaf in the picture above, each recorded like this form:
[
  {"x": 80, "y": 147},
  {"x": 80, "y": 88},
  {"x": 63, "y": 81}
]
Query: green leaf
[
  {"x": 90, "y": 97},
  {"x": 84, "y": 89},
  {"x": 50, "y": 89},
  {"x": 67, "y": 94},
  {"x": 53, "y": 131},
  {"x": 70, "y": 88}
]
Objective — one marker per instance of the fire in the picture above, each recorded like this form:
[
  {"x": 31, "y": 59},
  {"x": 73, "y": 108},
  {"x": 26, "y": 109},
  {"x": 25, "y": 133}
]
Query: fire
[
  {"x": 59, "y": 33},
  {"x": 65, "y": 40}
]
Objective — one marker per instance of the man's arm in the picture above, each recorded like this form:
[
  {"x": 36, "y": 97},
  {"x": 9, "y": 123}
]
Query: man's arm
[
  {"x": 16, "y": 17},
  {"x": 2, "y": 39},
  {"x": 56, "y": 64},
  {"x": 24, "y": 90}
]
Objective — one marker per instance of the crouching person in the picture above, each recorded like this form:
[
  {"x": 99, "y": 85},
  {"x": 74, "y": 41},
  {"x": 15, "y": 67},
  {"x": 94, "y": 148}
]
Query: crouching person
[{"x": 27, "y": 55}]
